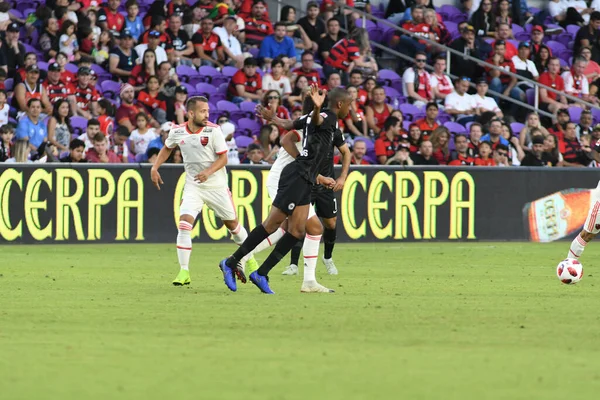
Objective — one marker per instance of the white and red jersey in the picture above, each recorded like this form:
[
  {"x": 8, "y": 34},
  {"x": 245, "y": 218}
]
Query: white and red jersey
[
  {"x": 443, "y": 83},
  {"x": 200, "y": 150},
  {"x": 575, "y": 85},
  {"x": 283, "y": 158}
]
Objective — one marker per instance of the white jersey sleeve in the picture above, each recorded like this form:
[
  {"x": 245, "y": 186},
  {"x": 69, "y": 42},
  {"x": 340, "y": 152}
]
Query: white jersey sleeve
[{"x": 218, "y": 141}]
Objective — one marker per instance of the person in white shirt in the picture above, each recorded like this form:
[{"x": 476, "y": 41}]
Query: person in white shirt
[
  {"x": 576, "y": 83},
  {"x": 276, "y": 80},
  {"x": 485, "y": 103},
  {"x": 569, "y": 12},
  {"x": 231, "y": 45},
  {"x": 441, "y": 84},
  {"x": 524, "y": 66},
  {"x": 4, "y": 108},
  {"x": 416, "y": 82},
  {"x": 204, "y": 153},
  {"x": 460, "y": 104},
  {"x": 93, "y": 128},
  {"x": 233, "y": 155}
]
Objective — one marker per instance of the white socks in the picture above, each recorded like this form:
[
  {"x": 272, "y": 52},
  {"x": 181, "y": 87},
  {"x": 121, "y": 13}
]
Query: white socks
[
  {"x": 239, "y": 234},
  {"x": 310, "y": 249},
  {"x": 577, "y": 247},
  {"x": 265, "y": 244},
  {"x": 184, "y": 244}
]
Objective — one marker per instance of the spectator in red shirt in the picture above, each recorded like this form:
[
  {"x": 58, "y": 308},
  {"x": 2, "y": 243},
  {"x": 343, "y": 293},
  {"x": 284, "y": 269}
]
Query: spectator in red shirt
[
  {"x": 307, "y": 69},
  {"x": 55, "y": 87},
  {"x": 153, "y": 101},
  {"x": 347, "y": 54},
  {"x": 100, "y": 152},
  {"x": 502, "y": 35},
  {"x": 127, "y": 111},
  {"x": 359, "y": 149},
  {"x": 439, "y": 140},
  {"x": 86, "y": 95},
  {"x": 272, "y": 101},
  {"x": 414, "y": 137},
  {"x": 141, "y": 72},
  {"x": 158, "y": 24},
  {"x": 378, "y": 111},
  {"x": 484, "y": 159},
  {"x": 411, "y": 45},
  {"x": 461, "y": 156},
  {"x": 562, "y": 118},
  {"x": 357, "y": 80},
  {"x": 208, "y": 45},
  {"x": 503, "y": 83},
  {"x": 475, "y": 134},
  {"x": 428, "y": 124},
  {"x": 258, "y": 26},
  {"x": 571, "y": 149},
  {"x": 387, "y": 144},
  {"x": 65, "y": 75},
  {"x": 109, "y": 17},
  {"x": 246, "y": 84}
]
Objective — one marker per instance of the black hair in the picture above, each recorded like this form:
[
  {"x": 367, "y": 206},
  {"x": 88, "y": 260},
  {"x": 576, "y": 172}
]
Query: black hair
[
  {"x": 75, "y": 144},
  {"x": 153, "y": 150},
  {"x": 122, "y": 131},
  {"x": 457, "y": 135},
  {"x": 389, "y": 122},
  {"x": 432, "y": 104},
  {"x": 192, "y": 101},
  {"x": 31, "y": 101},
  {"x": 93, "y": 121},
  {"x": 67, "y": 121}
]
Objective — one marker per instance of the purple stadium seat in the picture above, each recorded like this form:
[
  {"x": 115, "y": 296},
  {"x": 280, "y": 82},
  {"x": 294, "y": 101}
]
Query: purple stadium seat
[
  {"x": 206, "y": 89},
  {"x": 8, "y": 84},
  {"x": 388, "y": 75},
  {"x": 208, "y": 73},
  {"x": 530, "y": 93},
  {"x": 516, "y": 127},
  {"x": 406, "y": 125},
  {"x": 254, "y": 51},
  {"x": 368, "y": 24},
  {"x": 229, "y": 71},
  {"x": 218, "y": 97},
  {"x": 72, "y": 68},
  {"x": 43, "y": 65},
  {"x": 565, "y": 38},
  {"x": 523, "y": 36},
  {"x": 565, "y": 54},
  {"x": 79, "y": 124},
  {"x": 185, "y": 72},
  {"x": 449, "y": 9},
  {"x": 517, "y": 28},
  {"x": 451, "y": 144},
  {"x": 458, "y": 18},
  {"x": 191, "y": 88},
  {"x": 391, "y": 93},
  {"x": 573, "y": 29},
  {"x": 409, "y": 110},
  {"x": 555, "y": 46},
  {"x": 375, "y": 34},
  {"x": 451, "y": 26},
  {"x": 575, "y": 113},
  {"x": 225, "y": 105},
  {"x": 563, "y": 63},
  {"x": 222, "y": 88},
  {"x": 139, "y": 158},
  {"x": 243, "y": 141},
  {"x": 455, "y": 127},
  {"x": 249, "y": 107},
  {"x": 248, "y": 125},
  {"x": 110, "y": 89}
]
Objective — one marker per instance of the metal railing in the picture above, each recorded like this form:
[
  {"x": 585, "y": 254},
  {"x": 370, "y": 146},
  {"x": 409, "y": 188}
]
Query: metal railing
[{"x": 442, "y": 48}]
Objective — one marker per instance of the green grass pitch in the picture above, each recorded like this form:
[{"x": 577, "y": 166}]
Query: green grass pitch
[{"x": 408, "y": 321}]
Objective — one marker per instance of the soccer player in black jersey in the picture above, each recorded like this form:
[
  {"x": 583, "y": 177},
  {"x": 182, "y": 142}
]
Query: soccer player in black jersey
[
  {"x": 295, "y": 186},
  {"x": 326, "y": 207}
]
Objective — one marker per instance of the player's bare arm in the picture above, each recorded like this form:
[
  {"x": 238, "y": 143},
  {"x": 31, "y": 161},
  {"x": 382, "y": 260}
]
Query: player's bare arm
[
  {"x": 318, "y": 97},
  {"x": 163, "y": 156},
  {"x": 270, "y": 116},
  {"x": 346, "y": 159},
  {"x": 288, "y": 143},
  {"x": 217, "y": 165},
  {"x": 325, "y": 181}
]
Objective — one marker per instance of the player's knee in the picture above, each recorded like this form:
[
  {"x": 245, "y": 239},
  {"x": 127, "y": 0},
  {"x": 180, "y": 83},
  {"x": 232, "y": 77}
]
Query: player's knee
[
  {"x": 314, "y": 227},
  {"x": 587, "y": 236},
  {"x": 329, "y": 223},
  {"x": 297, "y": 232}
]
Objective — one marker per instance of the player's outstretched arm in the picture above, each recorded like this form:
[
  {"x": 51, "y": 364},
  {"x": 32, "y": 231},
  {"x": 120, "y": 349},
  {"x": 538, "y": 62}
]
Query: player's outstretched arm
[
  {"x": 163, "y": 155},
  {"x": 270, "y": 116},
  {"x": 220, "y": 162},
  {"x": 346, "y": 159}
]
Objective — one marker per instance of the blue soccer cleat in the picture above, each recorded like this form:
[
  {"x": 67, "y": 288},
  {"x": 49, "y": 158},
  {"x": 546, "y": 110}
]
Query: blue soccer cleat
[
  {"x": 228, "y": 275},
  {"x": 262, "y": 282}
]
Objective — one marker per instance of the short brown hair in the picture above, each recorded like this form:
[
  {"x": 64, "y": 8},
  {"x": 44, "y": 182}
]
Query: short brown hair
[{"x": 99, "y": 138}]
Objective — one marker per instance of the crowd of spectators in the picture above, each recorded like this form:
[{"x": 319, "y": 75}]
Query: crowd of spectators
[{"x": 85, "y": 81}]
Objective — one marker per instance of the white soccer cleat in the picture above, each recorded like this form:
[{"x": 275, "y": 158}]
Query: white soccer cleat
[
  {"x": 292, "y": 269},
  {"x": 314, "y": 287},
  {"x": 330, "y": 266}
]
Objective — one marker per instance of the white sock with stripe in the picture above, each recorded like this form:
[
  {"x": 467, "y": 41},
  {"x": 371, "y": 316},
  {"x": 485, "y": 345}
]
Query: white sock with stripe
[
  {"x": 239, "y": 234},
  {"x": 310, "y": 250},
  {"x": 577, "y": 247},
  {"x": 265, "y": 244},
  {"x": 184, "y": 244}
]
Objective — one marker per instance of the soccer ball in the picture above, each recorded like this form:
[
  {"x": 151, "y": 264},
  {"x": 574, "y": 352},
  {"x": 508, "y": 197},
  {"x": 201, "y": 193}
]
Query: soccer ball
[{"x": 569, "y": 271}]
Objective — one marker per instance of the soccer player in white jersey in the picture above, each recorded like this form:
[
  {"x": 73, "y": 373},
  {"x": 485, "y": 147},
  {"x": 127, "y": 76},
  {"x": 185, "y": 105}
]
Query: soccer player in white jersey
[{"x": 204, "y": 153}]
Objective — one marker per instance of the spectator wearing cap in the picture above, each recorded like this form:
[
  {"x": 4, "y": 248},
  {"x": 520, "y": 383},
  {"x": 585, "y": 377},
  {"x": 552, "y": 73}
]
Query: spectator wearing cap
[
  {"x": 533, "y": 158},
  {"x": 416, "y": 82},
  {"x": 109, "y": 17},
  {"x": 461, "y": 105},
  {"x": 101, "y": 153},
  {"x": 495, "y": 134},
  {"x": 183, "y": 49},
  {"x": 31, "y": 88},
  {"x": 231, "y": 45},
  {"x": 228, "y": 129},
  {"x": 86, "y": 95},
  {"x": 486, "y": 106},
  {"x": 551, "y": 101},
  {"x": 254, "y": 155},
  {"x": 159, "y": 142},
  {"x": 31, "y": 126},
  {"x": 21, "y": 73},
  {"x": 153, "y": 100},
  {"x": 258, "y": 26},
  {"x": 14, "y": 50},
  {"x": 127, "y": 111},
  {"x": 49, "y": 39},
  {"x": 425, "y": 154},
  {"x": 402, "y": 156},
  {"x": 332, "y": 36},
  {"x": 246, "y": 84},
  {"x": 387, "y": 143},
  {"x": 460, "y": 156},
  {"x": 133, "y": 21},
  {"x": 500, "y": 82},
  {"x": 154, "y": 45},
  {"x": 54, "y": 85},
  {"x": 536, "y": 43},
  {"x": 469, "y": 45},
  {"x": 524, "y": 66},
  {"x": 278, "y": 45},
  {"x": 123, "y": 58},
  {"x": 181, "y": 95},
  {"x": 589, "y": 36},
  {"x": 502, "y": 35},
  {"x": 441, "y": 84},
  {"x": 312, "y": 24},
  {"x": 208, "y": 45},
  {"x": 576, "y": 83}
]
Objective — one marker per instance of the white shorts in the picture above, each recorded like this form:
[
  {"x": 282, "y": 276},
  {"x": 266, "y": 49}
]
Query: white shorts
[
  {"x": 218, "y": 200},
  {"x": 592, "y": 222},
  {"x": 273, "y": 192}
]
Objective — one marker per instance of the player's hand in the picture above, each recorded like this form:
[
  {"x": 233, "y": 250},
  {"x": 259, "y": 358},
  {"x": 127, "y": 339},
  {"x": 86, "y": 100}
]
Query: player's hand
[
  {"x": 202, "y": 177},
  {"x": 156, "y": 179},
  {"x": 317, "y": 95},
  {"x": 265, "y": 113},
  {"x": 339, "y": 184},
  {"x": 325, "y": 181}
]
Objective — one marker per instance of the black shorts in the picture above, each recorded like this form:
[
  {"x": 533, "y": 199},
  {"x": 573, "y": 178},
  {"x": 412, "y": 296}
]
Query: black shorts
[
  {"x": 325, "y": 203},
  {"x": 293, "y": 190}
]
